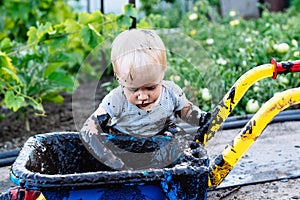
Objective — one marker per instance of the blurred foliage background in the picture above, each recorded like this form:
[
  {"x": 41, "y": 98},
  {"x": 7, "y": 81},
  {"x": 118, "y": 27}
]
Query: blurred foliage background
[{"x": 44, "y": 45}]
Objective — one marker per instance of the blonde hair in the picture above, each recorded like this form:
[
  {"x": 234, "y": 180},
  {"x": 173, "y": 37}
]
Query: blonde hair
[{"x": 136, "y": 48}]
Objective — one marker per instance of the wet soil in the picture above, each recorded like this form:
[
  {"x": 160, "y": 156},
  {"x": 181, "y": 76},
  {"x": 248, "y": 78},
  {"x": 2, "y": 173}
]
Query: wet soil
[{"x": 64, "y": 118}]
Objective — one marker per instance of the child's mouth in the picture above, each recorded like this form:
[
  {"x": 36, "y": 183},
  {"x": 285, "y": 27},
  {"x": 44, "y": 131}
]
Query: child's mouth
[{"x": 144, "y": 105}]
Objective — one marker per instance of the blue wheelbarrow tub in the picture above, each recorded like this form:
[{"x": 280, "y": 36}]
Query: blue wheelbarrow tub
[{"x": 58, "y": 165}]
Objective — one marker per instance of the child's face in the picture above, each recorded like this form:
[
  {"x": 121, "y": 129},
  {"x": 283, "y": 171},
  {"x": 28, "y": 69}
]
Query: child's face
[
  {"x": 143, "y": 88},
  {"x": 144, "y": 97}
]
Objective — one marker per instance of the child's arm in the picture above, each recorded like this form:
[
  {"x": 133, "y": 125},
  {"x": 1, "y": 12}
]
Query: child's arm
[
  {"x": 193, "y": 115},
  {"x": 90, "y": 136}
]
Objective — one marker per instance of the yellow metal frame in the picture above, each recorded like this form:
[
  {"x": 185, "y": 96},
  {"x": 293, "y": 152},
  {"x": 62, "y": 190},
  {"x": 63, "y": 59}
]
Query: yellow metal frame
[
  {"x": 230, "y": 100},
  {"x": 247, "y": 136}
]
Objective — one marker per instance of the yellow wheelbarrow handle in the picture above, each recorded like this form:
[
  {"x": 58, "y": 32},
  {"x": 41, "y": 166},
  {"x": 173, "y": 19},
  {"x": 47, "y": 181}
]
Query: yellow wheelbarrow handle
[
  {"x": 223, "y": 164},
  {"x": 237, "y": 91},
  {"x": 230, "y": 100}
]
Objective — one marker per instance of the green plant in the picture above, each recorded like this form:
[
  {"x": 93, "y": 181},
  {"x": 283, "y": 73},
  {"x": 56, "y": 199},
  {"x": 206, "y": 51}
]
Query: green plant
[
  {"x": 37, "y": 67},
  {"x": 162, "y": 13}
]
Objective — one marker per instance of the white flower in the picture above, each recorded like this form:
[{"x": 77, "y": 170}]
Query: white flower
[
  {"x": 206, "y": 96},
  {"x": 186, "y": 83},
  {"x": 234, "y": 22},
  {"x": 221, "y": 61},
  {"x": 248, "y": 40},
  {"x": 296, "y": 54},
  {"x": 193, "y": 16},
  {"x": 209, "y": 41},
  {"x": 175, "y": 78},
  {"x": 255, "y": 88},
  {"x": 242, "y": 50},
  {"x": 295, "y": 43},
  {"x": 232, "y": 13},
  {"x": 283, "y": 80},
  {"x": 244, "y": 63},
  {"x": 282, "y": 47}
]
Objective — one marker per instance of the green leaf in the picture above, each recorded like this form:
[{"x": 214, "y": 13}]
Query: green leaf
[
  {"x": 60, "y": 79},
  {"x": 124, "y": 21},
  {"x": 74, "y": 57},
  {"x": 43, "y": 31},
  {"x": 129, "y": 10},
  {"x": 32, "y": 34},
  {"x": 13, "y": 101},
  {"x": 92, "y": 28},
  {"x": 52, "y": 67},
  {"x": 85, "y": 34},
  {"x": 71, "y": 26},
  {"x": 57, "y": 43},
  {"x": 53, "y": 97},
  {"x": 9, "y": 74},
  {"x": 90, "y": 36},
  {"x": 5, "y": 43},
  {"x": 39, "y": 34},
  {"x": 37, "y": 106},
  {"x": 34, "y": 89},
  {"x": 7, "y": 70},
  {"x": 19, "y": 10},
  {"x": 88, "y": 18}
]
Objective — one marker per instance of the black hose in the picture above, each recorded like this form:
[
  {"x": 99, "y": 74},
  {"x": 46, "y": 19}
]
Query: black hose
[
  {"x": 8, "y": 157},
  {"x": 249, "y": 116},
  {"x": 7, "y": 161},
  {"x": 242, "y": 123},
  {"x": 8, "y": 154}
]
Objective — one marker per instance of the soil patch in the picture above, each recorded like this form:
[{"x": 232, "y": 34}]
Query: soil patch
[{"x": 69, "y": 116}]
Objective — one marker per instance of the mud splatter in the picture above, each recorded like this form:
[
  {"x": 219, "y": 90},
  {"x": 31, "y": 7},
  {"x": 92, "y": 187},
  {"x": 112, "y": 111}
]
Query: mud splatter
[{"x": 231, "y": 97}]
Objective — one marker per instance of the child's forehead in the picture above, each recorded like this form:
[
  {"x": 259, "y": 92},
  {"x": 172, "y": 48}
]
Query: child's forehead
[{"x": 141, "y": 78}]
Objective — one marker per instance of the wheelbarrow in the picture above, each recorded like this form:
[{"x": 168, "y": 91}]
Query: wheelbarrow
[{"x": 58, "y": 166}]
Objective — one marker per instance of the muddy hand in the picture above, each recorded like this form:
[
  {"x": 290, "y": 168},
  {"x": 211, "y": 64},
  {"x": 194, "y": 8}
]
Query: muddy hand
[
  {"x": 95, "y": 146},
  {"x": 204, "y": 123},
  {"x": 92, "y": 137}
]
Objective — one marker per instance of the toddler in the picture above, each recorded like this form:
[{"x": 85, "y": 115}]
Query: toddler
[{"x": 139, "y": 115}]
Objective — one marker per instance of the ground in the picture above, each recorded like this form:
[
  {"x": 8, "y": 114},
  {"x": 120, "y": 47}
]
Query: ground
[{"x": 71, "y": 114}]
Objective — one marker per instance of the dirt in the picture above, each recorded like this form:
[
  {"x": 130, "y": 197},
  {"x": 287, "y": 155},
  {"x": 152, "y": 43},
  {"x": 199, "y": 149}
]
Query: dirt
[
  {"x": 71, "y": 114},
  {"x": 68, "y": 116}
]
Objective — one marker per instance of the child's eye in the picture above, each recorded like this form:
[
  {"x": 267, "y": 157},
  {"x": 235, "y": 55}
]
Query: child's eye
[
  {"x": 151, "y": 87},
  {"x": 133, "y": 89}
]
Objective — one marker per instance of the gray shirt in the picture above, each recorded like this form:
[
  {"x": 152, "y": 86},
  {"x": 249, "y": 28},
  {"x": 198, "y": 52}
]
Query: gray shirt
[{"x": 129, "y": 119}]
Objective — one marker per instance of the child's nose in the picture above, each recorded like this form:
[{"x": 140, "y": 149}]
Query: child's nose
[{"x": 142, "y": 95}]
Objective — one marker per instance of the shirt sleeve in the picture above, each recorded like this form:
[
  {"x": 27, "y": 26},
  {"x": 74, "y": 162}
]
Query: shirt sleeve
[
  {"x": 179, "y": 98},
  {"x": 112, "y": 102}
]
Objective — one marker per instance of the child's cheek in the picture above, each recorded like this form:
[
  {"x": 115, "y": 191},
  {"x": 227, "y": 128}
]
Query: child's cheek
[{"x": 131, "y": 98}]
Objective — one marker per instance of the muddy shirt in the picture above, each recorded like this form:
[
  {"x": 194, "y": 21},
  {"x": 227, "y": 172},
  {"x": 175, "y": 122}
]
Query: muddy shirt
[{"x": 129, "y": 119}]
